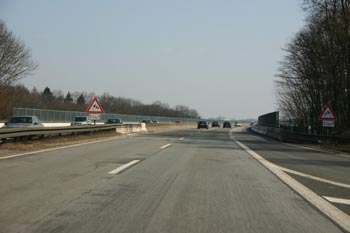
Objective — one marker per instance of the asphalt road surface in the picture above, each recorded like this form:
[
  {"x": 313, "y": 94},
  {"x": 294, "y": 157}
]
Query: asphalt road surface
[{"x": 184, "y": 181}]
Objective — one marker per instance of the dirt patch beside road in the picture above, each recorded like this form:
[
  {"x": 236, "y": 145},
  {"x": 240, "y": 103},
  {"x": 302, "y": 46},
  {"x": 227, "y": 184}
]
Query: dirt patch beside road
[{"x": 23, "y": 146}]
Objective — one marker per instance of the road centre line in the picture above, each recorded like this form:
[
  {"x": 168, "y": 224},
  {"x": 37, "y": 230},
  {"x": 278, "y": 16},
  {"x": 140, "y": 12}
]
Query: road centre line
[
  {"x": 59, "y": 148},
  {"x": 338, "y": 216},
  {"x": 123, "y": 167},
  {"x": 165, "y": 146},
  {"x": 337, "y": 200},
  {"x": 180, "y": 139}
]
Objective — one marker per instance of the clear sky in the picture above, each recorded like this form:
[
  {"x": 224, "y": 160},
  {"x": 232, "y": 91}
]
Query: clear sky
[{"x": 219, "y": 57}]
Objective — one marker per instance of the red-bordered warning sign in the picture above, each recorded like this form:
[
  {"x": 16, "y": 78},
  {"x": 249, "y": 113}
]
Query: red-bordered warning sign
[
  {"x": 95, "y": 107},
  {"x": 328, "y": 113}
]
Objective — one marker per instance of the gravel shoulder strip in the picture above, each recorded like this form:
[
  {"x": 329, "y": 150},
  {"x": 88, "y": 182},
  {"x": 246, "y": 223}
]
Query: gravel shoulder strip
[{"x": 24, "y": 146}]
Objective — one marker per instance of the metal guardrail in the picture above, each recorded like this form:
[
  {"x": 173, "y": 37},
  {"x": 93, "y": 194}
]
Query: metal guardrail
[
  {"x": 311, "y": 138},
  {"x": 287, "y": 136},
  {"x": 42, "y": 131}
]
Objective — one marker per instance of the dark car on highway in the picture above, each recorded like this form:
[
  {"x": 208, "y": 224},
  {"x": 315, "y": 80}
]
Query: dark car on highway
[
  {"x": 114, "y": 121},
  {"x": 227, "y": 124},
  {"x": 202, "y": 124},
  {"x": 215, "y": 124},
  {"x": 81, "y": 121}
]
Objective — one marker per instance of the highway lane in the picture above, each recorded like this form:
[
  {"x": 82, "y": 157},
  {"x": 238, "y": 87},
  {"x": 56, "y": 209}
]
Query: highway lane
[
  {"x": 33, "y": 186},
  {"x": 332, "y": 166},
  {"x": 201, "y": 182}
]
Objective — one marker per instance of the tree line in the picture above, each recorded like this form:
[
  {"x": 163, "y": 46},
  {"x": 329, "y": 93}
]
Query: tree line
[
  {"x": 19, "y": 96},
  {"x": 16, "y": 63},
  {"x": 316, "y": 68}
]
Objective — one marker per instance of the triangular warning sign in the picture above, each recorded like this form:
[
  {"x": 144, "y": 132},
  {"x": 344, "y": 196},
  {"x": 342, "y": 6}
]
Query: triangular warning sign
[
  {"x": 328, "y": 113},
  {"x": 95, "y": 107}
]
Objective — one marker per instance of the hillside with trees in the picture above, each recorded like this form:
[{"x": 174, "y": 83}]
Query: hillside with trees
[{"x": 20, "y": 96}]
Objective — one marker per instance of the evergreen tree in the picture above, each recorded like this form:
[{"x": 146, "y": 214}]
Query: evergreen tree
[
  {"x": 81, "y": 100},
  {"x": 47, "y": 95},
  {"x": 68, "y": 98}
]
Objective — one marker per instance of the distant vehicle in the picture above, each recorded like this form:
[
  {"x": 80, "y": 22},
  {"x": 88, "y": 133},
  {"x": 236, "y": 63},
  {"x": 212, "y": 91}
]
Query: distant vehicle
[
  {"x": 238, "y": 124},
  {"x": 155, "y": 121},
  {"x": 178, "y": 121},
  {"x": 147, "y": 121},
  {"x": 227, "y": 124},
  {"x": 202, "y": 124},
  {"x": 215, "y": 124},
  {"x": 23, "y": 122},
  {"x": 114, "y": 121},
  {"x": 81, "y": 120}
]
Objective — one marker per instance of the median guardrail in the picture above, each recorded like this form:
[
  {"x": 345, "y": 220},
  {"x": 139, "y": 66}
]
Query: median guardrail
[
  {"x": 287, "y": 136},
  {"x": 42, "y": 131},
  {"x": 67, "y": 130}
]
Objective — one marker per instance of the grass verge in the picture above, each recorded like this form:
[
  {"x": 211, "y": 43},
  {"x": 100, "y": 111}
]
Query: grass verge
[{"x": 336, "y": 147}]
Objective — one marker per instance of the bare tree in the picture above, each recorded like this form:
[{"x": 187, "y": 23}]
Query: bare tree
[
  {"x": 316, "y": 68},
  {"x": 15, "y": 58}
]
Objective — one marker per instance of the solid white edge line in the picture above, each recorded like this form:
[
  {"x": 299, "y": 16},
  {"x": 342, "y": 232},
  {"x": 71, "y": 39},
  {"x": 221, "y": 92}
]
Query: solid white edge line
[
  {"x": 338, "y": 216},
  {"x": 58, "y": 148},
  {"x": 123, "y": 167},
  {"x": 337, "y": 200},
  {"x": 165, "y": 146}
]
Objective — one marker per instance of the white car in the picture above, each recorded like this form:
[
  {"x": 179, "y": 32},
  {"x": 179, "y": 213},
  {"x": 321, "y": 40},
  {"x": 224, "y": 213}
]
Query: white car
[
  {"x": 237, "y": 124},
  {"x": 23, "y": 122},
  {"x": 81, "y": 120}
]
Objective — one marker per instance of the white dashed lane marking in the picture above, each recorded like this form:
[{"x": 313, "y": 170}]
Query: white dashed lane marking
[
  {"x": 123, "y": 167},
  {"x": 165, "y": 146}
]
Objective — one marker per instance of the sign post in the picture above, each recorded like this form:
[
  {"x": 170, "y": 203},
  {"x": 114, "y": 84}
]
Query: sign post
[
  {"x": 328, "y": 117},
  {"x": 94, "y": 110},
  {"x": 95, "y": 117}
]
